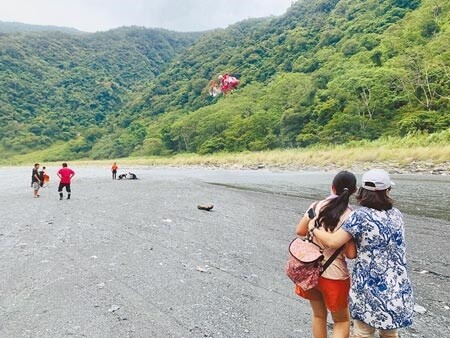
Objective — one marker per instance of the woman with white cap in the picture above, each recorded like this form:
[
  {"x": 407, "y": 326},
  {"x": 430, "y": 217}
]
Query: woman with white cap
[{"x": 381, "y": 293}]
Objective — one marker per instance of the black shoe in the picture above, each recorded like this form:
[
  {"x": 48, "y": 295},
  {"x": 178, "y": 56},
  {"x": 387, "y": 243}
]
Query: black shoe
[{"x": 60, "y": 198}]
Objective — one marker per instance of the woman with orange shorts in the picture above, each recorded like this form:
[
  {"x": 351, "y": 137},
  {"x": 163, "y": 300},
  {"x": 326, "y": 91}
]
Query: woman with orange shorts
[
  {"x": 381, "y": 294},
  {"x": 331, "y": 293}
]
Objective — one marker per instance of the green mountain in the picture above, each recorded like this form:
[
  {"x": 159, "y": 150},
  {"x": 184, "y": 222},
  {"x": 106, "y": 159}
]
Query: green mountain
[
  {"x": 13, "y": 27},
  {"x": 57, "y": 85},
  {"x": 328, "y": 72}
]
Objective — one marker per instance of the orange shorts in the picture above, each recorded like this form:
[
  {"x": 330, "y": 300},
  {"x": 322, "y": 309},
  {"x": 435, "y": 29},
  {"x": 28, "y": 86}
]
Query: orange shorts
[{"x": 334, "y": 292}]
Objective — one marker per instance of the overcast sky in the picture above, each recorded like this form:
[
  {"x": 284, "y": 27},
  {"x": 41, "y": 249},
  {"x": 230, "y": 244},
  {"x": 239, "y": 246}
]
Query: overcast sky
[{"x": 99, "y": 15}]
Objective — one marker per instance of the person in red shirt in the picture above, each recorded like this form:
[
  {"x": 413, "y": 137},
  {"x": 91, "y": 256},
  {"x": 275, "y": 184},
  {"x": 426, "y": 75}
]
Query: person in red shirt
[
  {"x": 65, "y": 174},
  {"x": 114, "y": 170}
]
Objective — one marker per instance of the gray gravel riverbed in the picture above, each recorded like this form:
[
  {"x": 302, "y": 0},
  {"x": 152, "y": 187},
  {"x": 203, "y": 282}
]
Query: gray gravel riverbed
[{"x": 137, "y": 259}]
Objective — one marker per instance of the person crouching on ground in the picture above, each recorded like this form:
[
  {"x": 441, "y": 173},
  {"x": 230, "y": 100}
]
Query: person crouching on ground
[
  {"x": 381, "y": 295},
  {"x": 65, "y": 174},
  {"x": 331, "y": 293}
]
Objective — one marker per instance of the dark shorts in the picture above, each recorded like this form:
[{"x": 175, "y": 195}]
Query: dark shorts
[{"x": 62, "y": 185}]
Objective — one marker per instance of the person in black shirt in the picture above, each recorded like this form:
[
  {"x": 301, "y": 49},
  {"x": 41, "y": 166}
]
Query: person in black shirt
[{"x": 35, "y": 180}]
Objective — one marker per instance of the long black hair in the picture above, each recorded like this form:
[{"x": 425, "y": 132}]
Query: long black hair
[{"x": 344, "y": 184}]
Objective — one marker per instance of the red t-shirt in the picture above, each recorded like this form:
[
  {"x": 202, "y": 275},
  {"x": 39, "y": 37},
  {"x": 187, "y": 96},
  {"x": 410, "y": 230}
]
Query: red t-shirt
[{"x": 66, "y": 174}]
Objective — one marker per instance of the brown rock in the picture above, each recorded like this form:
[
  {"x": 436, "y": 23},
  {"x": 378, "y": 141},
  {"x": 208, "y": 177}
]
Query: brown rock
[{"x": 206, "y": 207}]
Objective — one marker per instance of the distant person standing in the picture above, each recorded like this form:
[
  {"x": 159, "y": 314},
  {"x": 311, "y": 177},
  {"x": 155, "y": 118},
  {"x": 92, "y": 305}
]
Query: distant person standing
[
  {"x": 35, "y": 180},
  {"x": 42, "y": 177},
  {"x": 45, "y": 177},
  {"x": 114, "y": 170},
  {"x": 65, "y": 174}
]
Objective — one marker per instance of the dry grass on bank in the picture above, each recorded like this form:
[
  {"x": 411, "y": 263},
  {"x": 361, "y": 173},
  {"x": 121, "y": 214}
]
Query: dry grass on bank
[
  {"x": 299, "y": 158},
  {"x": 390, "y": 152}
]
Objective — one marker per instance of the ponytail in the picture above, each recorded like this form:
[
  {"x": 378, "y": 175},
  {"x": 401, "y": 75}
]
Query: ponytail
[
  {"x": 330, "y": 214},
  {"x": 344, "y": 183}
]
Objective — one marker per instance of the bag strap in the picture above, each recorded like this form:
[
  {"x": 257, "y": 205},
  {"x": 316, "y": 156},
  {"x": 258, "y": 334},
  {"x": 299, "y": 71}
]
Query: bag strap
[
  {"x": 335, "y": 254},
  {"x": 331, "y": 259},
  {"x": 309, "y": 236}
]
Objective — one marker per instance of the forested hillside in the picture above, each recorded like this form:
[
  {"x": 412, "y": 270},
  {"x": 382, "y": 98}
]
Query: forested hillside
[
  {"x": 57, "y": 85},
  {"x": 326, "y": 72},
  {"x": 10, "y": 27}
]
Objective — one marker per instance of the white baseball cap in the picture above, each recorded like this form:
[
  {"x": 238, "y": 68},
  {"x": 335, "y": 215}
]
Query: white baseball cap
[{"x": 376, "y": 180}]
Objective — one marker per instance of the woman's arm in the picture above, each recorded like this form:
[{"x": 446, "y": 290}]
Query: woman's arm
[
  {"x": 332, "y": 240},
  {"x": 302, "y": 226},
  {"x": 350, "y": 249}
]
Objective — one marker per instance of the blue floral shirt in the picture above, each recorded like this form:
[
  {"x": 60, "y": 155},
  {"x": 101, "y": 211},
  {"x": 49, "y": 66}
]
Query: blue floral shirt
[{"x": 381, "y": 292}]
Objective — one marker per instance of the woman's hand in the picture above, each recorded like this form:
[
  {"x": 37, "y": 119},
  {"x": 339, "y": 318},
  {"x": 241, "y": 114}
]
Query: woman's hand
[{"x": 332, "y": 240}]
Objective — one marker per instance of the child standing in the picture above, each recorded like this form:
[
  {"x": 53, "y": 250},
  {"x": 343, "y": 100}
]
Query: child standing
[{"x": 331, "y": 293}]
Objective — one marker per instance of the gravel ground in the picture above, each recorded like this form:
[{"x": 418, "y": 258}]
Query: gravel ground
[{"x": 138, "y": 259}]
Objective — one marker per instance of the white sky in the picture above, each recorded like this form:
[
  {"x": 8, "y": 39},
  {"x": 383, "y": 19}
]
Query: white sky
[{"x": 178, "y": 15}]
